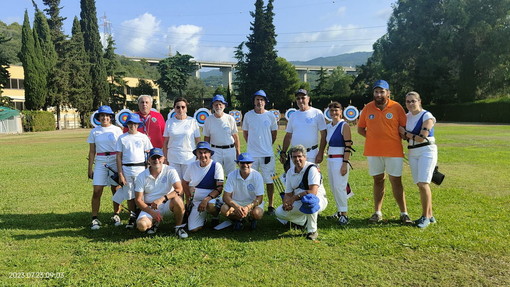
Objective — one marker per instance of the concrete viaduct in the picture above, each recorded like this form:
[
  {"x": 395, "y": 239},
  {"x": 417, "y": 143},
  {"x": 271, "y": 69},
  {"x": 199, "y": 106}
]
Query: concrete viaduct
[{"x": 226, "y": 68}]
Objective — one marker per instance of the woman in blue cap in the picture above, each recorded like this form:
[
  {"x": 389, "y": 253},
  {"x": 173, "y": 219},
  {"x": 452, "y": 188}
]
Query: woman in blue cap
[{"x": 102, "y": 143}]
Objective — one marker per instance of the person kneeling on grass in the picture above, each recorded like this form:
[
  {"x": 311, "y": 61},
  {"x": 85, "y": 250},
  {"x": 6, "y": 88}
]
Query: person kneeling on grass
[
  {"x": 203, "y": 184},
  {"x": 157, "y": 193},
  {"x": 305, "y": 195},
  {"x": 244, "y": 192}
]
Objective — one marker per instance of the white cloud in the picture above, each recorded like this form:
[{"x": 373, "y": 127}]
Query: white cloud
[
  {"x": 138, "y": 36},
  {"x": 184, "y": 38},
  {"x": 341, "y": 11}
]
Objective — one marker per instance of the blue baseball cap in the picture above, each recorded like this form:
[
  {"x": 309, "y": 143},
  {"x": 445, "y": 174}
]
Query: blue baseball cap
[
  {"x": 244, "y": 157},
  {"x": 133, "y": 118},
  {"x": 301, "y": 91},
  {"x": 203, "y": 145},
  {"x": 262, "y": 94},
  {"x": 310, "y": 204},
  {"x": 104, "y": 110},
  {"x": 219, "y": 98},
  {"x": 155, "y": 151},
  {"x": 381, "y": 84}
]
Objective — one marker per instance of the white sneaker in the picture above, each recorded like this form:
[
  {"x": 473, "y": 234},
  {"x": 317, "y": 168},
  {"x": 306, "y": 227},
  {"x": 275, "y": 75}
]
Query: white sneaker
[
  {"x": 181, "y": 233},
  {"x": 96, "y": 224},
  {"x": 116, "y": 220},
  {"x": 153, "y": 229}
]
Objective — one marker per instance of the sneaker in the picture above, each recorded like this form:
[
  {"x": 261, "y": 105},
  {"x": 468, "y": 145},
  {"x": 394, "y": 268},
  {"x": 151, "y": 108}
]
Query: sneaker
[
  {"x": 312, "y": 235},
  {"x": 181, "y": 233},
  {"x": 432, "y": 219},
  {"x": 422, "y": 222},
  {"x": 153, "y": 229},
  {"x": 404, "y": 219},
  {"x": 270, "y": 211},
  {"x": 296, "y": 226},
  {"x": 253, "y": 224},
  {"x": 343, "y": 220},
  {"x": 96, "y": 224},
  {"x": 238, "y": 225},
  {"x": 335, "y": 215},
  {"x": 131, "y": 223},
  {"x": 375, "y": 218},
  {"x": 116, "y": 220}
]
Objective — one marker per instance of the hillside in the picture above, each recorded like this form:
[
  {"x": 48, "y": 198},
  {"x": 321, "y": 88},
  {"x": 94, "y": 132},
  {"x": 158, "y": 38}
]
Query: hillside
[{"x": 346, "y": 60}]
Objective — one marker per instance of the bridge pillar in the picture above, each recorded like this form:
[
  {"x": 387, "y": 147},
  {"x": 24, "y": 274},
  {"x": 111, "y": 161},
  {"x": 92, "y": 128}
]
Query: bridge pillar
[
  {"x": 303, "y": 75},
  {"x": 197, "y": 71},
  {"x": 227, "y": 77}
]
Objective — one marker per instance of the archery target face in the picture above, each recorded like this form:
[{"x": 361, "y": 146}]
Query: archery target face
[
  {"x": 289, "y": 112},
  {"x": 327, "y": 115},
  {"x": 276, "y": 114},
  {"x": 93, "y": 120},
  {"x": 201, "y": 115},
  {"x": 237, "y": 115},
  {"x": 351, "y": 113},
  {"x": 171, "y": 114},
  {"x": 121, "y": 117}
]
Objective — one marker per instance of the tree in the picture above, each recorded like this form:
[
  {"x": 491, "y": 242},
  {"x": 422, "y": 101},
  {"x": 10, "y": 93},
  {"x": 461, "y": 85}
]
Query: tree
[
  {"x": 4, "y": 64},
  {"x": 58, "y": 77},
  {"x": 320, "y": 89},
  {"x": 94, "y": 50},
  {"x": 13, "y": 46},
  {"x": 260, "y": 65},
  {"x": 174, "y": 73},
  {"x": 33, "y": 67},
  {"x": 116, "y": 82},
  {"x": 80, "y": 88}
]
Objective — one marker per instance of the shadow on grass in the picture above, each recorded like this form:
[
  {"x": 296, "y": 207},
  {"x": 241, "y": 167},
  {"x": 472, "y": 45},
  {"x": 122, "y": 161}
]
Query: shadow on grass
[{"x": 48, "y": 225}]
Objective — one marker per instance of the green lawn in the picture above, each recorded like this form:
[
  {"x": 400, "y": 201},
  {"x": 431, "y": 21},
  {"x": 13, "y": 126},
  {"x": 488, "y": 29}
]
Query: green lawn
[{"x": 45, "y": 217}]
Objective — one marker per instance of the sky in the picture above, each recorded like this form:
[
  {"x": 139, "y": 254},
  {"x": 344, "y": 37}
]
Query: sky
[{"x": 210, "y": 30}]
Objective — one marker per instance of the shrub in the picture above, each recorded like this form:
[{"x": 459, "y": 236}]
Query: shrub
[{"x": 36, "y": 121}]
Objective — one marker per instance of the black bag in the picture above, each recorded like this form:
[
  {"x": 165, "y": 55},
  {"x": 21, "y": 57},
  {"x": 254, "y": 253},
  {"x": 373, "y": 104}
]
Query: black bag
[{"x": 437, "y": 177}]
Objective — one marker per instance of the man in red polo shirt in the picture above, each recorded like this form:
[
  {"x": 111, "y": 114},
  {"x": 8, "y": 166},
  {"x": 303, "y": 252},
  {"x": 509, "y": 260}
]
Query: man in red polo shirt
[
  {"x": 153, "y": 122},
  {"x": 379, "y": 123}
]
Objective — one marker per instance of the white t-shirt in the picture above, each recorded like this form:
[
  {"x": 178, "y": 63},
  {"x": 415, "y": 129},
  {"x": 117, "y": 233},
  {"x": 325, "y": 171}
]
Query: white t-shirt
[
  {"x": 413, "y": 119},
  {"x": 105, "y": 138},
  {"x": 181, "y": 139},
  {"x": 330, "y": 130},
  {"x": 293, "y": 180},
  {"x": 220, "y": 130},
  {"x": 244, "y": 191},
  {"x": 259, "y": 127},
  {"x": 195, "y": 173},
  {"x": 133, "y": 147},
  {"x": 154, "y": 188},
  {"x": 304, "y": 127}
]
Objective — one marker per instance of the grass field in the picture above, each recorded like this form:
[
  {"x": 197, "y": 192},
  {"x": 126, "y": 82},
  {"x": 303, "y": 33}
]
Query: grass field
[{"x": 45, "y": 217}]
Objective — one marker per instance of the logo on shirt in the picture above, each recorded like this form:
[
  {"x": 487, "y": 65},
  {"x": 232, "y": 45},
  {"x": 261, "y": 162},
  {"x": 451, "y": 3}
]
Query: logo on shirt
[
  {"x": 309, "y": 120},
  {"x": 266, "y": 123},
  {"x": 389, "y": 116},
  {"x": 371, "y": 116},
  {"x": 250, "y": 187},
  {"x": 111, "y": 137},
  {"x": 138, "y": 144},
  {"x": 154, "y": 119},
  {"x": 164, "y": 179}
]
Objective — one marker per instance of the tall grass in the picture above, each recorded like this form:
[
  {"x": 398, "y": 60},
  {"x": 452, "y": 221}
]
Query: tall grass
[{"x": 45, "y": 217}]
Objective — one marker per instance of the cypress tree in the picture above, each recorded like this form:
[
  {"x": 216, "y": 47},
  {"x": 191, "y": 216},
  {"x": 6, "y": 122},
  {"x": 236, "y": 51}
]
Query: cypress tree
[
  {"x": 94, "y": 50},
  {"x": 80, "y": 89},
  {"x": 4, "y": 64},
  {"x": 35, "y": 81}
]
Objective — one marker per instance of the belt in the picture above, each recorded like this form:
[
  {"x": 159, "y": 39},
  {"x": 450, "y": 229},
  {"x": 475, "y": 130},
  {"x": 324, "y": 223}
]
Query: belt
[
  {"x": 223, "y": 146},
  {"x": 106, "y": 153},
  {"x": 335, "y": 155},
  {"x": 418, "y": 145},
  {"x": 312, "y": 148},
  {"x": 134, "y": 164}
]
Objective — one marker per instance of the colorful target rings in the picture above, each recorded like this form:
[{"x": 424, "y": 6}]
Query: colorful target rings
[
  {"x": 121, "y": 117},
  {"x": 289, "y": 112},
  {"x": 201, "y": 115},
  {"x": 276, "y": 114},
  {"x": 327, "y": 115},
  {"x": 238, "y": 116},
  {"x": 351, "y": 113},
  {"x": 95, "y": 122}
]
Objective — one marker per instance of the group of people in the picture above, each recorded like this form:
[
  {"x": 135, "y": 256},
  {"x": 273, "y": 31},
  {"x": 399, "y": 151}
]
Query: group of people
[{"x": 164, "y": 169}]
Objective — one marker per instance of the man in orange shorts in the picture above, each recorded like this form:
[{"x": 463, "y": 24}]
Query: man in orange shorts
[{"x": 379, "y": 123}]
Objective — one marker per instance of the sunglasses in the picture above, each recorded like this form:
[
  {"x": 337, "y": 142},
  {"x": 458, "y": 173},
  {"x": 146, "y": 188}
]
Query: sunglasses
[
  {"x": 411, "y": 101},
  {"x": 180, "y": 107}
]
